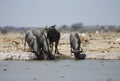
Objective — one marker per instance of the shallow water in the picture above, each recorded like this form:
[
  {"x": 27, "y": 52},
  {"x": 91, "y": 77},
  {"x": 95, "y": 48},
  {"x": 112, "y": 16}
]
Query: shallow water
[{"x": 61, "y": 70}]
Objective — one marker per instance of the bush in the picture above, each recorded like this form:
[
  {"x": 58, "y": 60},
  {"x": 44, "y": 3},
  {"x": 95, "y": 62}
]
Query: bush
[
  {"x": 4, "y": 31},
  {"x": 118, "y": 30}
]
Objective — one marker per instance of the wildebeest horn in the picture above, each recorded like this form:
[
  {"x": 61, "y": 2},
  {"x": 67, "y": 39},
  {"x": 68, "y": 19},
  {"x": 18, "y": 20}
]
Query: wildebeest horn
[{"x": 53, "y": 26}]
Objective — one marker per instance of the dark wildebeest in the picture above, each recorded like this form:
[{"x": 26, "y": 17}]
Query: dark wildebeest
[
  {"x": 31, "y": 41},
  {"x": 75, "y": 44},
  {"x": 54, "y": 36},
  {"x": 43, "y": 45}
]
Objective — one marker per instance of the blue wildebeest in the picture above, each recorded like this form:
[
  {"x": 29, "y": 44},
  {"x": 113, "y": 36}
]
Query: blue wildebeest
[
  {"x": 33, "y": 44},
  {"x": 53, "y": 36},
  {"x": 31, "y": 41},
  {"x": 75, "y": 44},
  {"x": 43, "y": 45}
]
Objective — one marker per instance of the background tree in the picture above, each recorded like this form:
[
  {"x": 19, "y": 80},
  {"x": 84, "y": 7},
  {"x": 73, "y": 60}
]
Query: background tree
[{"x": 77, "y": 26}]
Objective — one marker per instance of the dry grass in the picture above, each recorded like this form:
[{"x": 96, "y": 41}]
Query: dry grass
[
  {"x": 104, "y": 43},
  {"x": 98, "y": 43}
]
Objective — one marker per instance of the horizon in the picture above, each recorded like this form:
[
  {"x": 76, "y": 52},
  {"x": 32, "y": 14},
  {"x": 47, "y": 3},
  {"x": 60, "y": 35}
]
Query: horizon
[{"x": 39, "y": 13}]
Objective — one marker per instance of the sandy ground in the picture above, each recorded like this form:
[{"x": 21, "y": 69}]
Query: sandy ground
[{"x": 95, "y": 46}]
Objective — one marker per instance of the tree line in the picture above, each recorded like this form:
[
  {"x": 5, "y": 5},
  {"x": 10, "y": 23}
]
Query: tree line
[{"x": 80, "y": 27}]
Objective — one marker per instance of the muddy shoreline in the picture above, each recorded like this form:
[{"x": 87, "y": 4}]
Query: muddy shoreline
[{"x": 31, "y": 56}]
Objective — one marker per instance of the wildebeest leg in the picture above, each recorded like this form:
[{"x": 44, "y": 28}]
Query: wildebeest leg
[
  {"x": 81, "y": 50},
  {"x": 71, "y": 51},
  {"x": 76, "y": 55},
  {"x": 25, "y": 45},
  {"x": 56, "y": 49},
  {"x": 30, "y": 48},
  {"x": 51, "y": 46}
]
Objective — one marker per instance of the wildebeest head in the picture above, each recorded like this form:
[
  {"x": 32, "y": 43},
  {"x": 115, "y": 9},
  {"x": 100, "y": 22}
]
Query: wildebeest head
[
  {"x": 49, "y": 28},
  {"x": 75, "y": 44}
]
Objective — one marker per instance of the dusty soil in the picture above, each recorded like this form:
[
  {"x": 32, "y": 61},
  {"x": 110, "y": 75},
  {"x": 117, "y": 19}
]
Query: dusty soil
[{"x": 95, "y": 46}]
